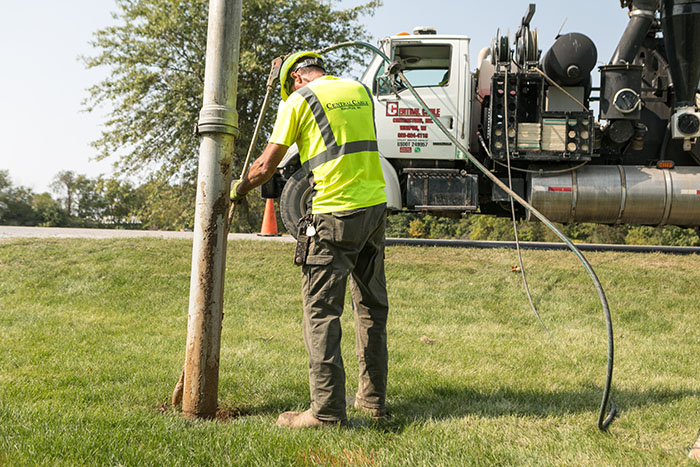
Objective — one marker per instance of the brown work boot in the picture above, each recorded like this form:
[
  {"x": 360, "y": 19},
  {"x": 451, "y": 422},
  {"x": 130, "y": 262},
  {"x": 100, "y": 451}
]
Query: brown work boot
[
  {"x": 304, "y": 419},
  {"x": 377, "y": 413}
]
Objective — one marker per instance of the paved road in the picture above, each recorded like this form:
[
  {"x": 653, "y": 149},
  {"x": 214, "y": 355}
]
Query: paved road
[{"x": 7, "y": 232}]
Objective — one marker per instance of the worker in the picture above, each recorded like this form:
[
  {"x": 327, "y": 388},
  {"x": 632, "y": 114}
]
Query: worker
[{"x": 332, "y": 122}]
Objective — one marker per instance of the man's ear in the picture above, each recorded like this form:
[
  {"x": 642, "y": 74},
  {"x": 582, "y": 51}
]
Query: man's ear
[{"x": 297, "y": 78}]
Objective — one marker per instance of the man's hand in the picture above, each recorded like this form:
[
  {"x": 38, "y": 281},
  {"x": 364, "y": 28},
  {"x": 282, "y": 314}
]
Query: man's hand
[
  {"x": 236, "y": 197},
  {"x": 263, "y": 168}
]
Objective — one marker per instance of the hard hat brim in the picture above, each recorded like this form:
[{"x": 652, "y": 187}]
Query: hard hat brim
[{"x": 288, "y": 68}]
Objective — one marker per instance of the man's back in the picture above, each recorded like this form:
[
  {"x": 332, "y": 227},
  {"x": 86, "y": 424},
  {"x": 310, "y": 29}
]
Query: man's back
[{"x": 332, "y": 122}]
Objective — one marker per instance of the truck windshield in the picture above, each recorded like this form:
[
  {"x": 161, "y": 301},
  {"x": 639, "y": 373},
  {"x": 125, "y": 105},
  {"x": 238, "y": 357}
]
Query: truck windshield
[{"x": 423, "y": 66}]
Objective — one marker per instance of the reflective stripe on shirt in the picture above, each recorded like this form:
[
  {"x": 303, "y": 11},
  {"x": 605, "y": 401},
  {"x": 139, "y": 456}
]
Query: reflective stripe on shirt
[{"x": 333, "y": 151}]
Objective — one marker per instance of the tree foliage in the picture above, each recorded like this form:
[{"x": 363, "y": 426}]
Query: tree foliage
[
  {"x": 166, "y": 206},
  {"x": 49, "y": 211},
  {"x": 65, "y": 183},
  {"x": 484, "y": 227},
  {"x": 82, "y": 202},
  {"x": 155, "y": 53},
  {"x": 15, "y": 203}
]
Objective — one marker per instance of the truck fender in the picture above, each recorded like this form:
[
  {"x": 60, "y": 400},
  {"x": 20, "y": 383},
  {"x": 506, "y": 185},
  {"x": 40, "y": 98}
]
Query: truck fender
[{"x": 392, "y": 188}]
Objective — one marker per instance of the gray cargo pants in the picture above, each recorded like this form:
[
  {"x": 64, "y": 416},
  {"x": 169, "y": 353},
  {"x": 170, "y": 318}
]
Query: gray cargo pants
[{"x": 349, "y": 243}]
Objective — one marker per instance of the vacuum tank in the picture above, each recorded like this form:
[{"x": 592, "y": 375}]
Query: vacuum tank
[
  {"x": 570, "y": 59},
  {"x": 617, "y": 194}
]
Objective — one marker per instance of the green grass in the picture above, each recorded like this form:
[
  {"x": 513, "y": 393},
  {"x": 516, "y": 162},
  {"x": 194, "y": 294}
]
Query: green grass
[{"x": 92, "y": 339}]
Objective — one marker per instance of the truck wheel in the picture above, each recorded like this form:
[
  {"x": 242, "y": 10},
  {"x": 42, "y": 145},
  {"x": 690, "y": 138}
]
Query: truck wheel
[{"x": 294, "y": 201}]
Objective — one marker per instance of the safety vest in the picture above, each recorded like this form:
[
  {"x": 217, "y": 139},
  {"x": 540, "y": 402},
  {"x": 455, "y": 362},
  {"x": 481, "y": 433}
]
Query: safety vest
[{"x": 332, "y": 122}]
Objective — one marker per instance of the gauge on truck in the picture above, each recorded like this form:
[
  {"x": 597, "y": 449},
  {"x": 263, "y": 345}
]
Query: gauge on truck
[{"x": 626, "y": 100}]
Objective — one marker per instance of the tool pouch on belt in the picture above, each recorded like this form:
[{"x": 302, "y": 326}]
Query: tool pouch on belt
[{"x": 303, "y": 240}]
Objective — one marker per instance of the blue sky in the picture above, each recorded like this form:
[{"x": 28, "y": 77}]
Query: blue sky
[{"x": 42, "y": 128}]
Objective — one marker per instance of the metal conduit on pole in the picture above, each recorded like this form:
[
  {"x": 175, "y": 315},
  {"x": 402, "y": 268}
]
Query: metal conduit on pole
[{"x": 218, "y": 127}]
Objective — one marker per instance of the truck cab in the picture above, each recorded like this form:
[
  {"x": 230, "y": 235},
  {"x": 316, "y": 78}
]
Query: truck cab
[
  {"x": 423, "y": 168},
  {"x": 439, "y": 67}
]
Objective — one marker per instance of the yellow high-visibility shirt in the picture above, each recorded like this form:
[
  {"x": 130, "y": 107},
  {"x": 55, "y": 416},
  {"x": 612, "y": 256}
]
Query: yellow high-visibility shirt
[{"x": 332, "y": 122}]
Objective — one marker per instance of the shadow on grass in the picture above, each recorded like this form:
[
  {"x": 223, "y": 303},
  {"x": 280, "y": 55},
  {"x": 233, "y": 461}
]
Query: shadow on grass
[
  {"x": 453, "y": 402},
  {"x": 450, "y": 402}
]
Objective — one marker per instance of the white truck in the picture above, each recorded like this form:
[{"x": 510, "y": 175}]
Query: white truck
[{"x": 637, "y": 163}]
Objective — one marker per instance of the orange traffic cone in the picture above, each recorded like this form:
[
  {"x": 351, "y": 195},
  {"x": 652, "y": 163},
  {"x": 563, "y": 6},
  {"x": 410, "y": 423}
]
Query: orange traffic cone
[{"x": 269, "y": 223}]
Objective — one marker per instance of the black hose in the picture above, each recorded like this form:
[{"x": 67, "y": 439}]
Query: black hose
[{"x": 603, "y": 421}]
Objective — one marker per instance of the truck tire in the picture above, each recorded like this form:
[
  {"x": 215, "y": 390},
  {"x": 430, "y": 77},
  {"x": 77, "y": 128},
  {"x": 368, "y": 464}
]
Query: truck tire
[{"x": 295, "y": 200}]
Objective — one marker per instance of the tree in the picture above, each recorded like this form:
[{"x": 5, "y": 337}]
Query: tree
[
  {"x": 5, "y": 183},
  {"x": 15, "y": 203},
  {"x": 103, "y": 202},
  {"x": 49, "y": 211},
  {"x": 82, "y": 204},
  {"x": 165, "y": 205},
  {"x": 65, "y": 183},
  {"x": 90, "y": 204},
  {"x": 120, "y": 201},
  {"x": 667, "y": 235},
  {"x": 156, "y": 56}
]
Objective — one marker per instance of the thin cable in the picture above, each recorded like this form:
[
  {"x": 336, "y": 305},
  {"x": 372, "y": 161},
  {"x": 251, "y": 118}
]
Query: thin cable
[
  {"x": 512, "y": 208},
  {"x": 542, "y": 172}
]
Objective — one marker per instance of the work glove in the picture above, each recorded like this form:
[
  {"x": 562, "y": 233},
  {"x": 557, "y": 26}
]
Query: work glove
[{"x": 235, "y": 195}]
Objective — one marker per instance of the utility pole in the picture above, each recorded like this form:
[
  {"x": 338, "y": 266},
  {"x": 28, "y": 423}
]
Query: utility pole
[{"x": 218, "y": 127}]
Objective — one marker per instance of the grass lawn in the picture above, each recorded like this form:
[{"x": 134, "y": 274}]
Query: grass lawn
[{"x": 92, "y": 340}]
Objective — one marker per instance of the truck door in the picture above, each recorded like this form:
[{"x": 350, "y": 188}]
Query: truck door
[{"x": 438, "y": 69}]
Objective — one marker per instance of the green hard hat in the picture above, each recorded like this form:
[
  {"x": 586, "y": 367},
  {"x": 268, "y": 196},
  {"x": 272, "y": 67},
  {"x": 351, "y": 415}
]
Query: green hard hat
[{"x": 294, "y": 62}]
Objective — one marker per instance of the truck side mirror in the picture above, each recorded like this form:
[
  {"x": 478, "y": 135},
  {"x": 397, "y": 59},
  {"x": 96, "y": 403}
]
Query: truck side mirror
[{"x": 383, "y": 85}]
